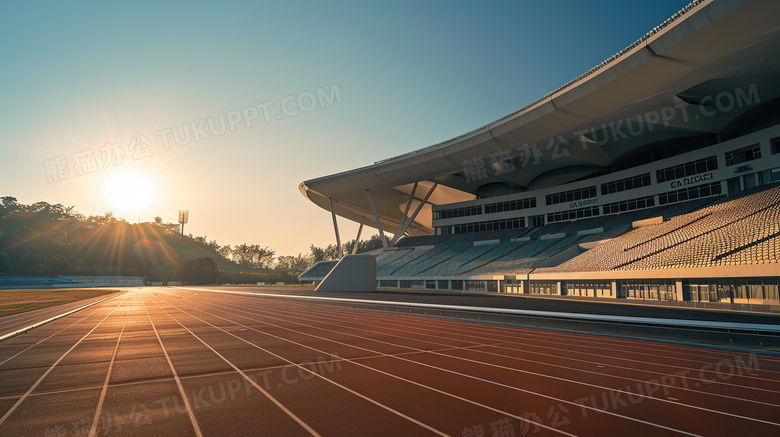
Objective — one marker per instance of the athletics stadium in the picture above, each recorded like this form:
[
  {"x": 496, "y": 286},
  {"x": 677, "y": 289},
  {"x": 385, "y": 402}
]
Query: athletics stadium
[{"x": 651, "y": 177}]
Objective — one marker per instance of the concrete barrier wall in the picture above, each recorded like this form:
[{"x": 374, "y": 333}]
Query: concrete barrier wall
[{"x": 352, "y": 273}]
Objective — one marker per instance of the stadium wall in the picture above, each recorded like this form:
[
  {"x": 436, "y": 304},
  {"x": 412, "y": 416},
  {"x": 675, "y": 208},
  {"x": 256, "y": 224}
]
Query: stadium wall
[{"x": 731, "y": 178}]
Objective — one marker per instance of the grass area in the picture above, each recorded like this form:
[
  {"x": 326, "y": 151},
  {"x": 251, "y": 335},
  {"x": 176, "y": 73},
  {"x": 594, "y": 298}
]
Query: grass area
[{"x": 20, "y": 301}]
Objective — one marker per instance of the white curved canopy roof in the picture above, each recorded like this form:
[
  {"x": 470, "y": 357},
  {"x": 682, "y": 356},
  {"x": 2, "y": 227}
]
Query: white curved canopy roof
[{"x": 708, "y": 47}]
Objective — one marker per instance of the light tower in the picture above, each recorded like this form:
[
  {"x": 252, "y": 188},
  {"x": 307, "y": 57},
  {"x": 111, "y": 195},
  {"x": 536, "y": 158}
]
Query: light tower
[{"x": 184, "y": 216}]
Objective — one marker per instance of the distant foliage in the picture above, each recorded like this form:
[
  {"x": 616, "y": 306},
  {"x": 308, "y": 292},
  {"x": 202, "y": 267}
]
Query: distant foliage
[
  {"x": 201, "y": 271},
  {"x": 45, "y": 239}
]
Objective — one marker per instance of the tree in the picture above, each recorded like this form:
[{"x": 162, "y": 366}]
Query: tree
[
  {"x": 8, "y": 206},
  {"x": 58, "y": 265},
  {"x": 254, "y": 256},
  {"x": 299, "y": 262},
  {"x": 5, "y": 262},
  {"x": 201, "y": 271},
  {"x": 317, "y": 254},
  {"x": 225, "y": 251},
  {"x": 31, "y": 263},
  {"x": 327, "y": 254},
  {"x": 375, "y": 242}
]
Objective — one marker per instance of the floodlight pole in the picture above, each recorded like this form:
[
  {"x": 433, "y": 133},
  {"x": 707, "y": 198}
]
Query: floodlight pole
[{"x": 184, "y": 216}]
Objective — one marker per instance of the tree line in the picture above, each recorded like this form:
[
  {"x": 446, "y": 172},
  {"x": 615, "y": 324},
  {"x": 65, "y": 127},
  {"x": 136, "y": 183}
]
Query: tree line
[{"x": 45, "y": 239}]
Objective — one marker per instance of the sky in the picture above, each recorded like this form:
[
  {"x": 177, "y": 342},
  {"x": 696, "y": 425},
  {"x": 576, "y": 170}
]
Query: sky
[{"x": 223, "y": 108}]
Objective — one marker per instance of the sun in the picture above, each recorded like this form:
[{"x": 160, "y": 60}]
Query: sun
[{"x": 130, "y": 192}]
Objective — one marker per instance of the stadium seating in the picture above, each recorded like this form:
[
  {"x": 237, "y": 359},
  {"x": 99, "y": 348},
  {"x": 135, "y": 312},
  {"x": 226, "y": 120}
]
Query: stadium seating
[
  {"x": 700, "y": 233},
  {"x": 740, "y": 231}
]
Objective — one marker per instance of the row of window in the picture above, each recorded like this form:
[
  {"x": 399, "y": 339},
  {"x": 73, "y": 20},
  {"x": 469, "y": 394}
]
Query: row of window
[
  {"x": 573, "y": 214},
  {"x": 543, "y": 287},
  {"x": 571, "y": 195},
  {"x": 588, "y": 288},
  {"x": 744, "y": 154},
  {"x": 629, "y": 205},
  {"x": 512, "y": 205},
  {"x": 457, "y": 212},
  {"x": 631, "y": 183},
  {"x": 688, "y": 169},
  {"x": 704, "y": 190},
  {"x": 691, "y": 193},
  {"x": 487, "y": 226},
  {"x": 737, "y": 290},
  {"x": 667, "y": 174},
  {"x": 658, "y": 289}
]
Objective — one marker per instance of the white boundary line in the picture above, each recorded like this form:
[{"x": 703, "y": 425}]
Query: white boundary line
[
  {"x": 505, "y": 368},
  {"x": 551, "y": 314},
  {"x": 51, "y": 319},
  {"x": 332, "y": 322},
  {"x": 26, "y": 394}
]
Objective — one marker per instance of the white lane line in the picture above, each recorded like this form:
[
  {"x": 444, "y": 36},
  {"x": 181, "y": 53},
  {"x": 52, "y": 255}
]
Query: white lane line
[
  {"x": 301, "y": 367},
  {"x": 267, "y": 395},
  {"x": 520, "y": 371},
  {"x": 328, "y": 319},
  {"x": 24, "y": 396},
  {"x": 266, "y": 308},
  {"x": 600, "y": 349},
  {"x": 549, "y": 314},
  {"x": 532, "y": 337},
  {"x": 497, "y": 383},
  {"x": 41, "y": 341},
  {"x": 598, "y": 343},
  {"x": 472, "y": 402},
  {"x": 187, "y": 405},
  {"x": 475, "y": 344},
  {"x": 93, "y": 429},
  {"x": 51, "y": 319}
]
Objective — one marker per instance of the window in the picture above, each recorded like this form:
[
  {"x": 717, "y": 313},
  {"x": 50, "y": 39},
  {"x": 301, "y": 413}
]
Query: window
[
  {"x": 490, "y": 226},
  {"x": 775, "y": 145},
  {"x": 573, "y": 214},
  {"x": 457, "y": 212},
  {"x": 658, "y": 289},
  {"x": 688, "y": 169},
  {"x": 626, "y": 184},
  {"x": 512, "y": 205},
  {"x": 537, "y": 221},
  {"x": 629, "y": 205},
  {"x": 543, "y": 287},
  {"x": 589, "y": 288},
  {"x": 738, "y": 290},
  {"x": 690, "y": 193},
  {"x": 571, "y": 196},
  {"x": 744, "y": 154}
]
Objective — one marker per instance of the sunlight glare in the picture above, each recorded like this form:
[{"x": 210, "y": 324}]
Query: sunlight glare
[{"x": 129, "y": 191}]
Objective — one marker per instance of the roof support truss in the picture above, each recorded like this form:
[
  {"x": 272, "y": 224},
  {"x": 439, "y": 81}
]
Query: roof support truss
[
  {"x": 410, "y": 220},
  {"x": 357, "y": 239},
  {"x": 336, "y": 228},
  {"x": 376, "y": 217}
]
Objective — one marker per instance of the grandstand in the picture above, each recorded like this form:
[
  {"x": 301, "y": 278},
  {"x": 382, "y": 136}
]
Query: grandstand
[{"x": 652, "y": 176}]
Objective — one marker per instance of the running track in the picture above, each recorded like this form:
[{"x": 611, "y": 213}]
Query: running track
[{"x": 161, "y": 361}]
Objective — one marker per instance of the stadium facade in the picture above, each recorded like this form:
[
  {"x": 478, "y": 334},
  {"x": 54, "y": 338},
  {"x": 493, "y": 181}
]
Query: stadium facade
[{"x": 652, "y": 176}]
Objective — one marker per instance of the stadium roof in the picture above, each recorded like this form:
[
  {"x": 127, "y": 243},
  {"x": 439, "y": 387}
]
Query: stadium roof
[{"x": 707, "y": 47}]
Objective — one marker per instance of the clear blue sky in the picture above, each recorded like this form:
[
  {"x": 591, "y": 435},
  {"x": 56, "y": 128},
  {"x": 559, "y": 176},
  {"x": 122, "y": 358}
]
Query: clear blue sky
[{"x": 79, "y": 75}]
